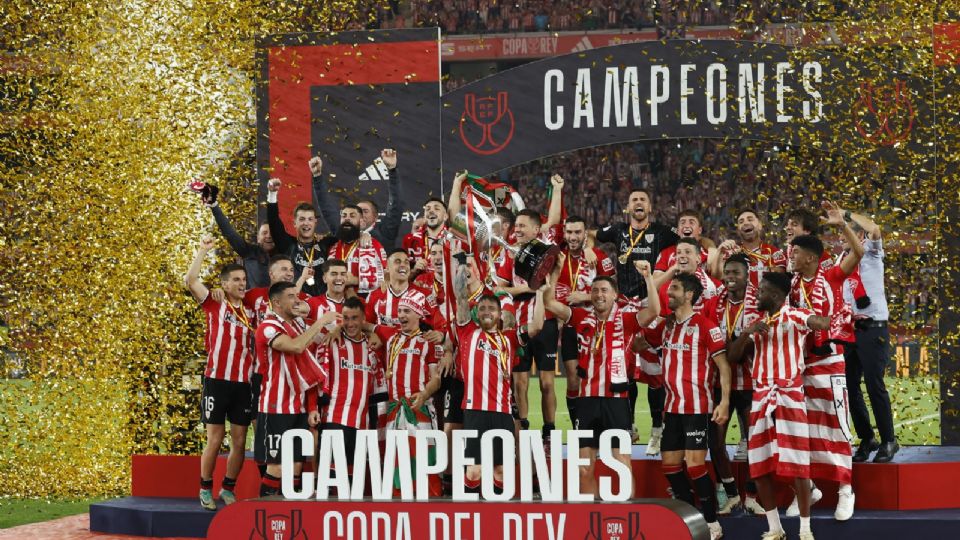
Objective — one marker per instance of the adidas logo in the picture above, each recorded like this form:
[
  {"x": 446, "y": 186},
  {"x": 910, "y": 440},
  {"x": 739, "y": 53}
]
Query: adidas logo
[
  {"x": 582, "y": 45},
  {"x": 377, "y": 171}
]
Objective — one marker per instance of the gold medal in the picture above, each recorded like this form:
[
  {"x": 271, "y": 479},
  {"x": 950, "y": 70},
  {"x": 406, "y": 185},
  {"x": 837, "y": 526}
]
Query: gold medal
[{"x": 624, "y": 258}]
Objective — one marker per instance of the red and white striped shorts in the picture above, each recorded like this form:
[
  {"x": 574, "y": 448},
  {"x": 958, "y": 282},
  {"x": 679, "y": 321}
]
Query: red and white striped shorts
[
  {"x": 825, "y": 387},
  {"x": 778, "y": 438}
]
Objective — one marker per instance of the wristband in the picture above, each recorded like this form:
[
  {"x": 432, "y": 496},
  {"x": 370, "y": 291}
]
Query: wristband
[{"x": 271, "y": 197}]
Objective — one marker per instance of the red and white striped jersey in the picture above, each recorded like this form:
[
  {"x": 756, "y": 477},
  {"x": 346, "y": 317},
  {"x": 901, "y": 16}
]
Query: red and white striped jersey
[
  {"x": 352, "y": 365},
  {"x": 826, "y": 261},
  {"x": 383, "y": 306},
  {"x": 600, "y": 341},
  {"x": 323, "y": 304},
  {"x": 576, "y": 270},
  {"x": 765, "y": 258},
  {"x": 258, "y": 300},
  {"x": 710, "y": 286},
  {"x": 408, "y": 359},
  {"x": 366, "y": 264},
  {"x": 418, "y": 243},
  {"x": 778, "y": 355},
  {"x": 668, "y": 257},
  {"x": 732, "y": 318},
  {"x": 229, "y": 332},
  {"x": 428, "y": 280},
  {"x": 687, "y": 351},
  {"x": 282, "y": 387},
  {"x": 823, "y": 294},
  {"x": 486, "y": 361}
]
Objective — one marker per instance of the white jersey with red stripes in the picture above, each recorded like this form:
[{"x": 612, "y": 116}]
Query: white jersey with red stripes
[
  {"x": 352, "y": 365},
  {"x": 485, "y": 361},
  {"x": 323, "y": 304},
  {"x": 778, "y": 353},
  {"x": 600, "y": 341},
  {"x": 282, "y": 389},
  {"x": 710, "y": 289},
  {"x": 732, "y": 317},
  {"x": 383, "y": 306},
  {"x": 229, "y": 335},
  {"x": 764, "y": 258},
  {"x": 367, "y": 264},
  {"x": 578, "y": 272},
  {"x": 687, "y": 351},
  {"x": 408, "y": 358}
]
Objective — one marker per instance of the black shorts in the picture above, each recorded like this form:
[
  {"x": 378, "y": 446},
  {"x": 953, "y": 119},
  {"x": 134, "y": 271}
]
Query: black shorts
[
  {"x": 541, "y": 349},
  {"x": 349, "y": 438},
  {"x": 569, "y": 347},
  {"x": 684, "y": 432},
  {"x": 256, "y": 386},
  {"x": 225, "y": 400},
  {"x": 452, "y": 400},
  {"x": 268, "y": 450},
  {"x": 740, "y": 400},
  {"x": 482, "y": 422},
  {"x": 600, "y": 414}
]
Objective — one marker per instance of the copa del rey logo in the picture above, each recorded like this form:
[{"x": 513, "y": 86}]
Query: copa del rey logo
[
  {"x": 278, "y": 526},
  {"x": 884, "y": 114},
  {"x": 486, "y": 124},
  {"x": 614, "y": 528}
]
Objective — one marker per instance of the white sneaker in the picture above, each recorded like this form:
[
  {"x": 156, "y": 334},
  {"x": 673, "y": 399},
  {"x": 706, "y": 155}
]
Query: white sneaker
[
  {"x": 741, "y": 454},
  {"x": 653, "y": 445},
  {"x": 807, "y": 536},
  {"x": 752, "y": 506},
  {"x": 716, "y": 533},
  {"x": 731, "y": 503},
  {"x": 845, "y": 505},
  {"x": 794, "y": 509},
  {"x": 774, "y": 535}
]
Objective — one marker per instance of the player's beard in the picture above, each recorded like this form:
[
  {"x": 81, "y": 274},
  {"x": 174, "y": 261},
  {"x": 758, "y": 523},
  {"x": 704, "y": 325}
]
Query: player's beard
[{"x": 348, "y": 232}]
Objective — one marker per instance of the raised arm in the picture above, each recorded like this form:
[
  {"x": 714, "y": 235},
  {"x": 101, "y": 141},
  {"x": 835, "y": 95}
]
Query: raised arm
[
  {"x": 453, "y": 204},
  {"x": 868, "y": 225},
  {"x": 240, "y": 246},
  {"x": 460, "y": 280},
  {"x": 297, "y": 345},
  {"x": 555, "y": 211},
  {"x": 322, "y": 200},
  {"x": 649, "y": 313},
  {"x": 835, "y": 218},
  {"x": 192, "y": 280},
  {"x": 390, "y": 225},
  {"x": 281, "y": 238}
]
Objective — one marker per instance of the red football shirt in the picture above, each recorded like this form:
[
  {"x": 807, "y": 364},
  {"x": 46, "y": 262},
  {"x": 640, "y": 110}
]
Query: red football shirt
[
  {"x": 366, "y": 264},
  {"x": 486, "y": 361},
  {"x": 408, "y": 358},
  {"x": 732, "y": 317},
  {"x": 383, "y": 306},
  {"x": 823, "y": 294},
  {"x": 229, "y": 332},
  {"x": 576, "y": 270},
  {"x": 687, "y": 351},
  {"x": 283, "y": 390},
  {"x": 353, "y": 366},
  {"x": 779, "y": 352},
  {"x": 600, "y": 341}
]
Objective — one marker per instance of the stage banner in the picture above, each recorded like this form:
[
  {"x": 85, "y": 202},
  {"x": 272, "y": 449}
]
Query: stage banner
[
  {"x": 344, "y": 97},
  {"x": 684, "y": 88},
  {"x": 644, "y": 519}
]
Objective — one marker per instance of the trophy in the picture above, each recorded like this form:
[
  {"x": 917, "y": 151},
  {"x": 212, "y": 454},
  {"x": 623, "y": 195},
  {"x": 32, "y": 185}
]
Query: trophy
[{"x": 478, "y": 224}]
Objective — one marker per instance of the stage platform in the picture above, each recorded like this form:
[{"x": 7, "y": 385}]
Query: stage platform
[{"x": 914, "y": 497}]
